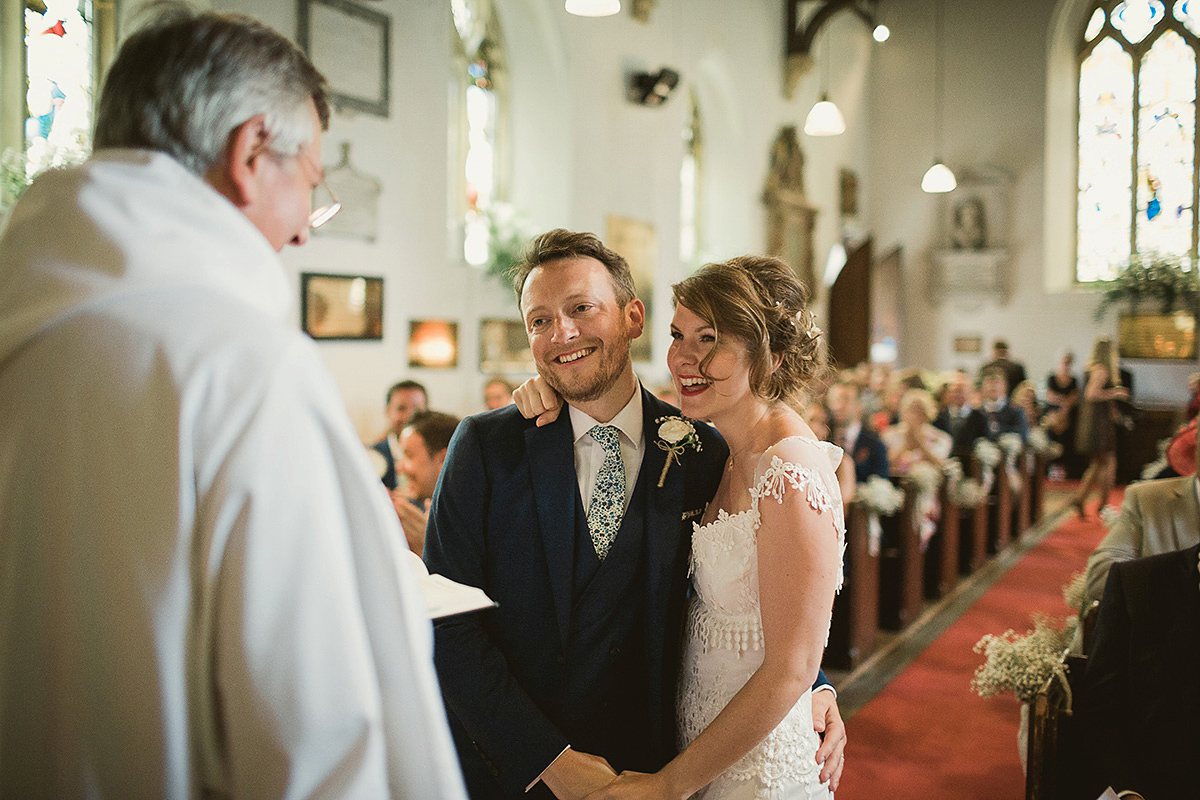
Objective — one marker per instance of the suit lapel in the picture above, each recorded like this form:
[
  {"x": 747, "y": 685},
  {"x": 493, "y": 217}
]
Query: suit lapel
[
  {"x": 664, "y": 505},
  {"x": 552, "y": 474}
]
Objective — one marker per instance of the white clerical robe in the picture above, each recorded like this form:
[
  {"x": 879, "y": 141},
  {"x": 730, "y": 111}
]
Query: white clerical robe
[{"x": 199, "y": 583}]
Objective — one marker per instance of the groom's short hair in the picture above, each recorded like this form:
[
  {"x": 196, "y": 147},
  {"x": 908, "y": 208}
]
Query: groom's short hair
[{"x": 558, "y": 244}]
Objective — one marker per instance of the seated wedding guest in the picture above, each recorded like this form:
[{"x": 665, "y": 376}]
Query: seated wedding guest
[
  {"x": 1156, "y": 517},
  {"x": 844, "y": 400},
  {"x": 953, "y": 404},
  {"x": 497, "y": 393},
  {"x": 817, "y": 417},
  {"x": 914, "y": 439},
  {"x": 1024, "y": 397},
  {"x": 1138, "y": 708},
  {"x": 403, "y": 400},
  {"x": 995, "y": 416},
  {"x": 423, "y": 444},
  {"x": 208, "y": 604}
]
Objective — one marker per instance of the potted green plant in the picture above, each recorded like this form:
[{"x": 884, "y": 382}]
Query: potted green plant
[{"x": 1170, "y": 281}]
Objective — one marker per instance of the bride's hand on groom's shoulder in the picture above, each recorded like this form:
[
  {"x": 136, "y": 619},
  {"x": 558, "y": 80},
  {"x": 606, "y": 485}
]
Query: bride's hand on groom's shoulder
[
  {"x": 634, "y": 786},
  {"x": 535, "y": 398}
]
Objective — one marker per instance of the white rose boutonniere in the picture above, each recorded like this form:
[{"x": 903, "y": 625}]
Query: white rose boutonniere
[{"x": 675, "y": 434}]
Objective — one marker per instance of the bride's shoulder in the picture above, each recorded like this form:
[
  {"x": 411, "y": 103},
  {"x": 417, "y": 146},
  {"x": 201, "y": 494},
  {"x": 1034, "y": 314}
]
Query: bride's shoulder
[{"x": 800, "y": 450}]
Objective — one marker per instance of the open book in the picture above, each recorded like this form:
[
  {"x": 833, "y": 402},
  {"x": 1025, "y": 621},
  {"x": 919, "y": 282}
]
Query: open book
[{"x": 444, "y": 597}]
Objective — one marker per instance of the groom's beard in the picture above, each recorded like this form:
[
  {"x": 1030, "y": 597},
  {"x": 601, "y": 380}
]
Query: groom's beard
[{"x": 613, "y": 360}]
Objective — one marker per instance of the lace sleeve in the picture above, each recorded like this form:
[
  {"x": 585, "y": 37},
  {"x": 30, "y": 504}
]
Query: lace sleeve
[
  {"x": 820, "y": 491},
  {"x": 782, "y": 474}
]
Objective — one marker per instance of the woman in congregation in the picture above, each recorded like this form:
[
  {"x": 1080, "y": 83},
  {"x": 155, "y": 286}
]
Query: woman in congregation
[
  {"x": 766, "y": 557},
  {"x": 1096, "y": 436},
  {"x": 914, "y": 439}
]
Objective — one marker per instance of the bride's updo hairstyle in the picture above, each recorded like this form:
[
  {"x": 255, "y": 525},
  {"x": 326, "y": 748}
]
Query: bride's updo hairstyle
[{"x": 759, "y": 302}]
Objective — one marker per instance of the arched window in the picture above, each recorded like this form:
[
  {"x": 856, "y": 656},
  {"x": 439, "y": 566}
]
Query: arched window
[
  {"x": 477, "y": 117},
  {"x": 1137, "y": 159},
  {"x": 46, "y": 118},
  {"x": 690, "y": 174}
]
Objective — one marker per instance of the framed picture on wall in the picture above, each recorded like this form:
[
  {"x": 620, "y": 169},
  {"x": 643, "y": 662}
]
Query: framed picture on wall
[
  {"x": 341, "y": 306},
  {"x": 433, "y": 343},
  {"x": 504, "y": 347},
  {"x": 351, "y": 46}
]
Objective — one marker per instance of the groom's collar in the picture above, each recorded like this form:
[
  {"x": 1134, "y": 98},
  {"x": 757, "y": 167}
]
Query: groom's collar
[{"x": 628, "y": 420}]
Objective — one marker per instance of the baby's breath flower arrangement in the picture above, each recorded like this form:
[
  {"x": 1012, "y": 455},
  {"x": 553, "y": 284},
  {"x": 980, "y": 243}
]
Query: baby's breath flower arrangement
[
  {"x": 1021, "y": 663},
  {"x": 1041, "y": 443},
  {"x": 968, "y": 492},
  {"x": 879, "y": 495},
  {"x": 924, "y": 477}
]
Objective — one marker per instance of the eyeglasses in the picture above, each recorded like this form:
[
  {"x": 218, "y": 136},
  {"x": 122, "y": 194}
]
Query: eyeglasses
[
  {"x": 323, "y": 211},
  {"x": 325, "y": 202}
]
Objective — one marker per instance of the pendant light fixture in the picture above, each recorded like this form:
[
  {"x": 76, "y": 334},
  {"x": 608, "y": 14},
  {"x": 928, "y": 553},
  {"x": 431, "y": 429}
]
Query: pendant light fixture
[
  {"x": 825, "y": 119},
  {"x": 593, "y": 8},
  {"x": 938, "y": 178}
]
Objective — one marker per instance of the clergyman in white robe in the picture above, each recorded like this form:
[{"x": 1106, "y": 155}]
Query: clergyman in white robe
[{"x": 199, "y": 584}]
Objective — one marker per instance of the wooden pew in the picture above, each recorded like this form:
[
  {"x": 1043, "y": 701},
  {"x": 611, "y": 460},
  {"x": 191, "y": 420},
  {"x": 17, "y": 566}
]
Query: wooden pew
[
  {"x": 941, "y": 560},
  {"x": 1037, "y": 491},
  {"x": 902, "y": 570},
  {"x": 856, "y": 609},
  {"x": 1052, "y": 755},
  {"x": 1000, "y": 533},
  {"x": 973, "y": 557},
  {"x": 1025, "y": 505}
]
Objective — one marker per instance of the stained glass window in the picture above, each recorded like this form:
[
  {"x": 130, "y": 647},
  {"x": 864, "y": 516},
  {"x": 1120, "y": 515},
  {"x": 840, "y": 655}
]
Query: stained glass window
[
  {"x": 478, "y": 114},
  {"x": 1137, "y": 134},
  {"x": 59, "y": 77}
]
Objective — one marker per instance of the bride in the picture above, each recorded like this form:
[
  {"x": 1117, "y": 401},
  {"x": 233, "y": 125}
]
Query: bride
[{"x": 766, "y": 558}]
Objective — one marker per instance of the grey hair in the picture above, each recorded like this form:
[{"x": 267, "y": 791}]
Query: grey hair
[{"x": 184, "y": 81}]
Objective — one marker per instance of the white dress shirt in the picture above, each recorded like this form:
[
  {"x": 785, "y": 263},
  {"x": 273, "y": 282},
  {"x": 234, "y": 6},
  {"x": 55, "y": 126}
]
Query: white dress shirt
[{"x": 589, "y": 454}]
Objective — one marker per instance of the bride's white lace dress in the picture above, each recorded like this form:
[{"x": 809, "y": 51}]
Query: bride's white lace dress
[{"x": 724, "y": 630}]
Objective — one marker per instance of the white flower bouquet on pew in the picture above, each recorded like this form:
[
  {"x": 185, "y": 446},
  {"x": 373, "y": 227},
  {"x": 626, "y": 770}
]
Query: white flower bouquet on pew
[
  {"x": 879, "y": 496},
  {"x": 988, "y": 453},
  {"x": 1040, "y": 443},
  {"x": 924, "y": 477},
  {"x": 1021, "y": 663}
]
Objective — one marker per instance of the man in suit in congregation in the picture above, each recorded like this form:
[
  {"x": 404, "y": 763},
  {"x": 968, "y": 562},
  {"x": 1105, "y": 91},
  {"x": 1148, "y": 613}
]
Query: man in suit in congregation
[
  {"x": 995, "y": 417},
  {"x": 567, "y": 527},
  {"x": 1137, "y": 713},
  {"x": 403, "y": 400},
  {"x": 844, "y": 399},
  {"x": 1157, "y": 517}
]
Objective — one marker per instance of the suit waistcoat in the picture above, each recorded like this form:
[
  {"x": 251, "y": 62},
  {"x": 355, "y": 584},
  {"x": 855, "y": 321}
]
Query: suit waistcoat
[{"x": 608, "y": 680}]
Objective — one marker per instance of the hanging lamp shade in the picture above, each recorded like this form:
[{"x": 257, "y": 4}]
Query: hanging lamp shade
[
  {"x": 825, "y": 119},
  {"x": 593, "y": 8},
  {"x": 938, "y": 179}
]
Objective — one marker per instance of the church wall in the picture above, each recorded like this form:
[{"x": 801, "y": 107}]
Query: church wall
[{"x": 579, "y": 152}]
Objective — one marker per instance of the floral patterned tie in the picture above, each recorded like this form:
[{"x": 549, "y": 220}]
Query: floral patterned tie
[{"x": 608, "y": 497}]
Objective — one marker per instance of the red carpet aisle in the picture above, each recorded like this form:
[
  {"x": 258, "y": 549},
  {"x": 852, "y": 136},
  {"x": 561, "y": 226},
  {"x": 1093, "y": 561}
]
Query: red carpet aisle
[{"x": 927, "y": 734}]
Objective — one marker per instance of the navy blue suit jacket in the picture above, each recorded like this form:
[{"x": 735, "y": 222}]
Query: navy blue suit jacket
[
  {"x": 979, "y": 424},
  {"x": 384, "y": 449},
  {"x": 870, "y": 456},
  {"x": 503, "y": 518}
]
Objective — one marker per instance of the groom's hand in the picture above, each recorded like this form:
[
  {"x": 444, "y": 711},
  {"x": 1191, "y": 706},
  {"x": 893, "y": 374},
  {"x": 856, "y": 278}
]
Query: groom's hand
[
  {"x": 827, "y": 721},
  {"x": 575, "y": 775},
  {"x": 535, "y": 398}
]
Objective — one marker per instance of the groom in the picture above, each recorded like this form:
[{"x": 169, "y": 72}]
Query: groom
[{"x": 580, "y": 531}]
